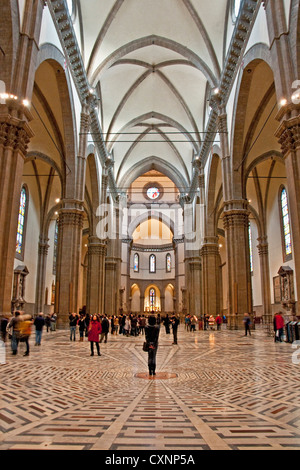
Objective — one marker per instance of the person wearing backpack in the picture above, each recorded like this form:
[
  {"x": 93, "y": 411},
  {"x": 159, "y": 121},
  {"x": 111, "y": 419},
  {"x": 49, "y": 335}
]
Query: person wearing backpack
[{"x": 152, "y": 335}]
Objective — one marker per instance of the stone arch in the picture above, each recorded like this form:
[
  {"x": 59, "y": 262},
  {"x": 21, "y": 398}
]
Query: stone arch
[
  {"x": 211, "y": 207},
  {"x": 160, "y": 216},
  {"x": 240, "y": 145},
  {"x": 153, "y": 163},
  {"x": 53, "y": 56},
  {"x": 95, "y": 188}
]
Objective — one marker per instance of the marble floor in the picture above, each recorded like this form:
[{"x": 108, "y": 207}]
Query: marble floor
[{"x": 213, "y": 391}]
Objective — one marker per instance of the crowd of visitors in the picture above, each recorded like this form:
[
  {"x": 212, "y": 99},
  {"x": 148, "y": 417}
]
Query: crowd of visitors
[{"x": 96, "y": 328}]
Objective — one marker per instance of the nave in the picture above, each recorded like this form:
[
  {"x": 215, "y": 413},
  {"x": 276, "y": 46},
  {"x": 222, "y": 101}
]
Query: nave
[{"x": 215, "y": 390}]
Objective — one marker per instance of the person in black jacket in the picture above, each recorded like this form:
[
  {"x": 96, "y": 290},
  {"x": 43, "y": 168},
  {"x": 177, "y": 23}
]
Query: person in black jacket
[
  {"x": 175, "y": 323},
  {"x": 152, "y": 335},
  {"x": 105, "y": 329}
]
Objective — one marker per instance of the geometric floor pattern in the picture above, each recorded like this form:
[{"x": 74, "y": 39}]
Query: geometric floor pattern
[{"x": 226, "y": 392}]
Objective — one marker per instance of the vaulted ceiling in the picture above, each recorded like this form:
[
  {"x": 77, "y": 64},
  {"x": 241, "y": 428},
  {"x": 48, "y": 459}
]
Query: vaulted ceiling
[{"x": 153, "y": 64}]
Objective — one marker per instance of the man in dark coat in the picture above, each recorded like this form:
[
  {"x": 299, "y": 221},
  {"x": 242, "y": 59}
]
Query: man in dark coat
[
  {"x": 175, "y": 323},
  {"x": 105, "y": 329}
]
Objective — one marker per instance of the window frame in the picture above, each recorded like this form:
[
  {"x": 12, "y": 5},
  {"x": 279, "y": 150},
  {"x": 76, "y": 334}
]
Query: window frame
[
  {"x": 150, "y": 271},
  {"x": 286, "y": 257},
  {"x": 21, "y": 256},
  {"x": 168, "y": 255},
  {"x": 138, "y": 258}
]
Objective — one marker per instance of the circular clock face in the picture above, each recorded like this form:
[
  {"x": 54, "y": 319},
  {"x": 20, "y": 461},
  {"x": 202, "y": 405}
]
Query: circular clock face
[{"x": 153, "y": 193}]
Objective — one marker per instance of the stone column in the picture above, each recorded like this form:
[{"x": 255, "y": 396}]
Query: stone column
[
  {"x": 69, "y": 261},
  {"x": 15, "y": 134},
  {"x": 194, "y": 265},
  {"x": 113, "y": 267},
  {"x": 236, "y": 225},
  {"x": 142, "y": 303},
  {"x": 96, "y": 275},
  {"x": 263, "y": 250},
  {"x": 41, "y": 274},
  {"x": 211, "y": 276},
  {"x": 111, "y": 288}
]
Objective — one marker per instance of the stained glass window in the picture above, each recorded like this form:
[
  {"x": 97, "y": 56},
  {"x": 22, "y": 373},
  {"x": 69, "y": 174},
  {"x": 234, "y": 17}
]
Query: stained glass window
[
  {"x": 152, "y": 299},
  {"x": 55, "y": 247},
  {"x": 152, "y": 264},
  {"x": 169, "y": 263},
  {"x": 250, "y": 248},
  {"x": 153, "y": 193},
  {"x": 21, "y": 222},
  {"x": 136, "y": 263},
  {"x": 286, "y": 223}
]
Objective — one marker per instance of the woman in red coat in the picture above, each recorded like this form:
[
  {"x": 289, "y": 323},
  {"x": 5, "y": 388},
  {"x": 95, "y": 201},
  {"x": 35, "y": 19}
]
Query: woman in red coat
[
  {"x": 279, "y": 326},
  {"x": 95, "y": 330}
]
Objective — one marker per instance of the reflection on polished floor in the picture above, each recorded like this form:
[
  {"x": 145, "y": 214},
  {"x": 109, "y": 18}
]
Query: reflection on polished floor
[{"x": 214, "y": 390}]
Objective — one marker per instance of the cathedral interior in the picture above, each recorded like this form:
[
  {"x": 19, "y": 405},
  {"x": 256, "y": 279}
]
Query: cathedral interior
[{"x": 149, "y": 166}]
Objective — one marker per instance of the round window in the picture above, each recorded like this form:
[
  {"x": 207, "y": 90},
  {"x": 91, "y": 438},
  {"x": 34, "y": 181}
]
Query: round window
[{"x": 153, "y": 193}]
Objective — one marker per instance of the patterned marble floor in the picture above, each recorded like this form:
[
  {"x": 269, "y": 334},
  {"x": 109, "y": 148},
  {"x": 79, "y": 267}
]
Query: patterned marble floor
[{"x": 226, "y": 392}]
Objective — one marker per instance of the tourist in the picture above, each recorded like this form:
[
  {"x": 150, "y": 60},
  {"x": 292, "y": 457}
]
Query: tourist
[
  {"x": 247, "y": 323},
  {"x": 105, "y": 329},
  {"x": 116, "y": 328},
  {"x": 219, "y": 322},
  {"x": 175, "y": 324},
  {"x": 134, "y": 326},
  {"x": 73, "y": 318},
  {"x": 127, "y": 326},
  {"x": 48, "y": 322},
  {"x": 142, "y": 324},
  {"x": 14, "y": 327},
  {"x": 95, "y": 330},
  {"x": 279, "y": 327},
  {"x": 39, "y": 324},
  {"x": 193, "y": 320},
  {"x": 25, "y": 324},
  {"x": 211, "y": 322},
  {"x": 167, "y": 324},
  {"x": 53, "y": 322},
  {"x": 152, "y": 335},
  {"x": 82, "y": 327}
]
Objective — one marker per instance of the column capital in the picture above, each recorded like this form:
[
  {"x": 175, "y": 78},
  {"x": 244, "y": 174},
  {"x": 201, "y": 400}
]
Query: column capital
[
  {"x": 288, "y": 135},
  {"x": 97, "y": 247},
  {"x": 68, "y": 216},
  {"x": 14, "y": 133},
  {"x": 236, "y": 212}
]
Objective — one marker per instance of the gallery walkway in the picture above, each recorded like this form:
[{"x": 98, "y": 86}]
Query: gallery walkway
[{"x": 225, "y": 392}]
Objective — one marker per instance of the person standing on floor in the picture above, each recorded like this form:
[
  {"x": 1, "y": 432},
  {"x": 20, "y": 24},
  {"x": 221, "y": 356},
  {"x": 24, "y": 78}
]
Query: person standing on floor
[
  {"x": 279, "y": 327},
  {"x": 25, "y": 331},
  {"x": 247, "y": 322},
  {"x": 82, "y": 327},
  {"x": 39, "y": 324},
  {"x": 219, "y": 322},
  {"x": 73, "y": 318},
  {"x": 94, "y": 333},
  {"x": 105, "y": 329},
  {"x": 14, "y": 325},
  {"x": 175, "y": 324},
  {"x": 152, "y": 334}
]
